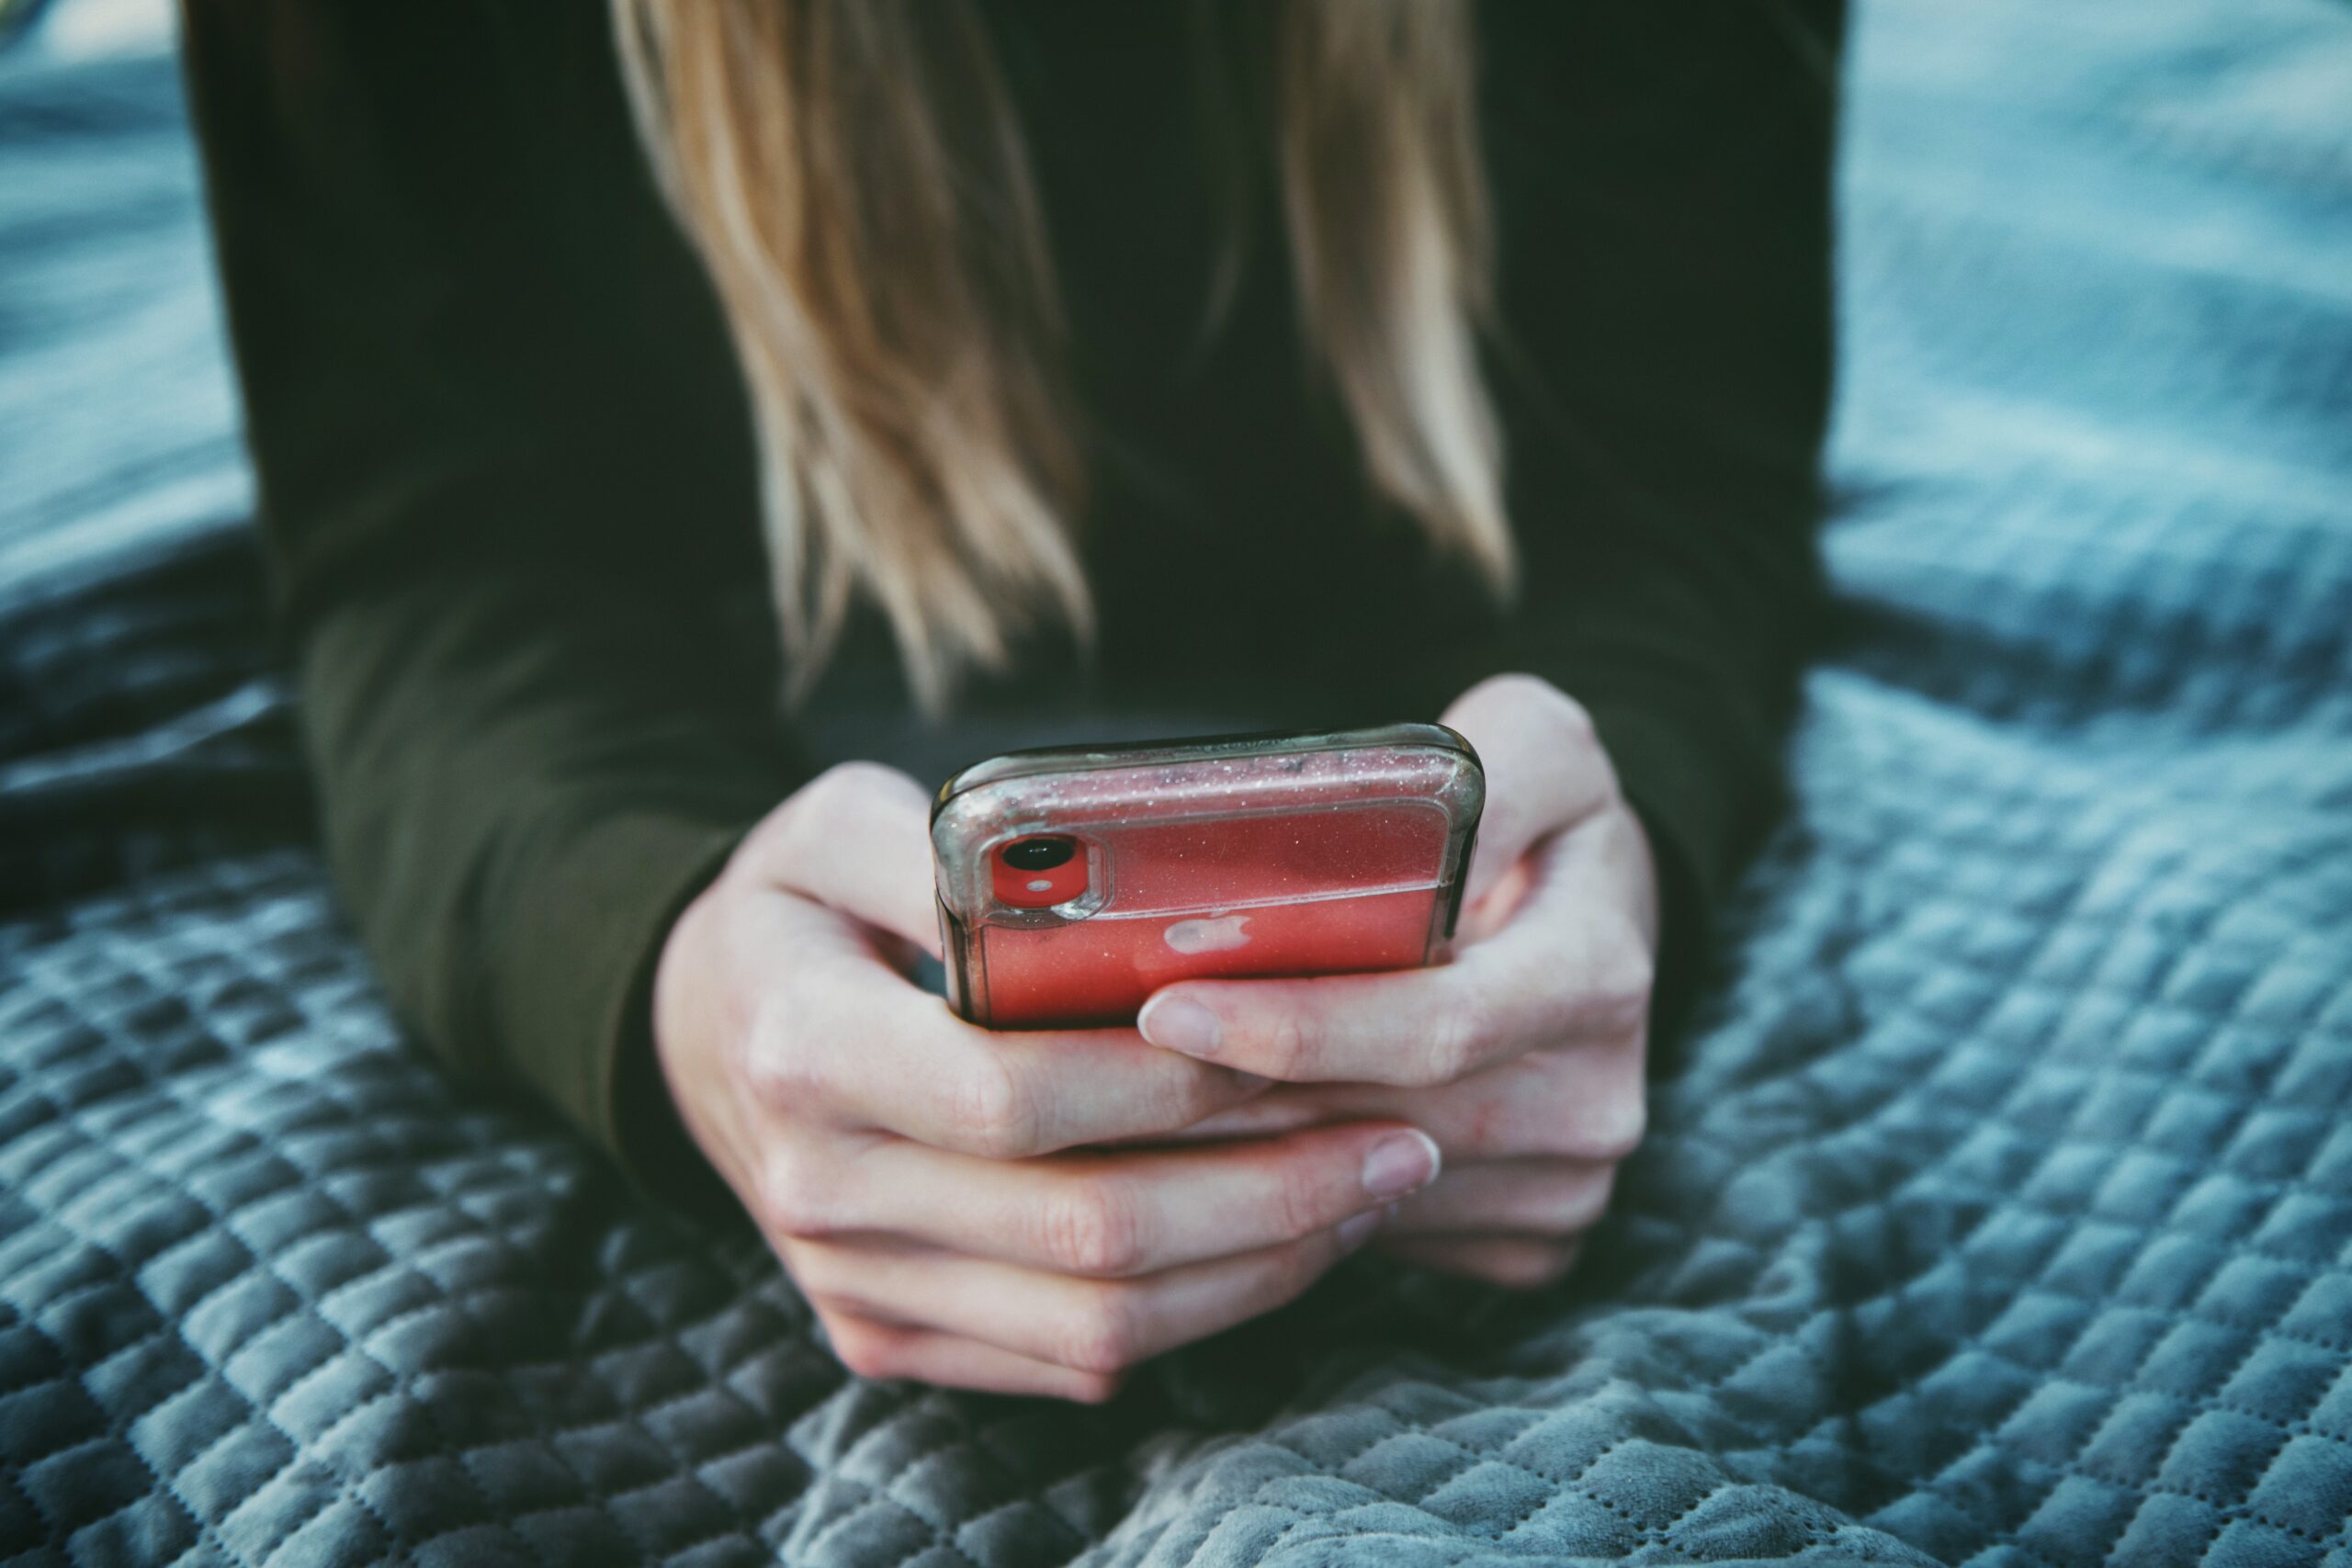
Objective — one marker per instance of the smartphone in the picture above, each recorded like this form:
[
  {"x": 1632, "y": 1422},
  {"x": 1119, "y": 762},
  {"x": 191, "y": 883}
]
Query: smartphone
[{"x": 1075, "y": 883}]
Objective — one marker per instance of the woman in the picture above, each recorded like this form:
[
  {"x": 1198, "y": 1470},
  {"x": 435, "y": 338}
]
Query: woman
[{"x": 644, "y": 399}]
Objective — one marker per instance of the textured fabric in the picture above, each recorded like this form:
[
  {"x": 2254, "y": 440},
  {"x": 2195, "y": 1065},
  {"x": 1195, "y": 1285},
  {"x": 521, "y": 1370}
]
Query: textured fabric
[
  {"x": 507, "y": 492},
  {"x": 1997, "y": 1210}
]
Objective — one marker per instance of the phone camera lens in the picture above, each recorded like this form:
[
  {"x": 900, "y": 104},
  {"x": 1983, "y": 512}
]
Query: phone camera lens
[{"x": 1040, "y": 854}]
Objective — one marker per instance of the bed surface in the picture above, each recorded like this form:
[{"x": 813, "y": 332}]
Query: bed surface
[{"x": 1999, "y": 1210}]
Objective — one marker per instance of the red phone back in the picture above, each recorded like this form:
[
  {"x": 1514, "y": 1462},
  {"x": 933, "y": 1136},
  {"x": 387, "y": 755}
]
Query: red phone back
[{"x": 1295, "y": 855}]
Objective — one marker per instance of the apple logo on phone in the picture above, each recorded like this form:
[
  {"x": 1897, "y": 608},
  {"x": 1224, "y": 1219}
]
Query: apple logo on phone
[{"x": 1221, "y": 934}]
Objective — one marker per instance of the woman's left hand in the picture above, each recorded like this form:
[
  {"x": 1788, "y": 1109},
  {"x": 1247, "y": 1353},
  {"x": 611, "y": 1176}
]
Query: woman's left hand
[{"x": 1524, "y": 1056}]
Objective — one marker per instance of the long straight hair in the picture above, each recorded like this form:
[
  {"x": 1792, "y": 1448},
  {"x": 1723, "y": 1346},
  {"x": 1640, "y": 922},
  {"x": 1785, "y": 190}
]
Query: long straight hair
[{"x": 855, "y": 180}]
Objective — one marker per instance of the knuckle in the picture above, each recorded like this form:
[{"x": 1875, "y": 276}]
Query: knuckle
[
  {"x": 781, "y": 1070},
  {"x": 1536, "y": 694},
  {"x": 1298, "y": 1201},
  {"x": 1179, "y": 1091},
  {"x": 859, "y": 774},
  {"x": 1290, "y": 1043},
  {"x": 1502, "y": 1120},
  {"x": 844, "y": 783},
  {"x": 795, "y": 1200},
  {"x": 1627, "y": 982},
  {"x": 1095, "y": 1388},
  {"x": 1573, "y": 717},
  {"x": 1531, "y": 1265},
  {"x": 1199, "y": 1091},
  {"x": 1619, "y": 981},
  {"x": 865, "y": 1348},
  {"x": 1095, "y": 1228},
  {"x": 1594, "y": 1202},
  {"x": 820, "y": 806},
  {"x": 1614, "y": 1125},
  {"x": 1102, "y": 1334},
  {"x": 1543, "y": 1117},
  {"x": 802, "y": 817},
  {"x": 1465, "y": 1033},
  {"x": 992, "y": 1113},
  {"x": 1580, "y": 1206}
]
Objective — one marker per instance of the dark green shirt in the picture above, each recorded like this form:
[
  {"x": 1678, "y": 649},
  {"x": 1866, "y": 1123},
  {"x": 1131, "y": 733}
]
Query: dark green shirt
[{"x": 509, "y": 491}]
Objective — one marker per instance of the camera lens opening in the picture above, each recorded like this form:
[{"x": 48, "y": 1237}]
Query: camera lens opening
[
  {"x": 1043, "y": 871},
  {"x": 1040, "y": 853}
]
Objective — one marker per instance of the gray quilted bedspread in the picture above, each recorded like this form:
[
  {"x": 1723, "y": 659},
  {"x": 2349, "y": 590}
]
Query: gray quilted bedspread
[{"x": 1998, "y": 1211}]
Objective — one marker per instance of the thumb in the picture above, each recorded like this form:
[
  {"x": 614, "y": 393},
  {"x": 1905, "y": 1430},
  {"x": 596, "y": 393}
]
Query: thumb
[{"x": 1545, "y": 770}]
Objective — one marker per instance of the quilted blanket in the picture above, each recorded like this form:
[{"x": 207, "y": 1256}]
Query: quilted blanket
[{"x": 1998, "y": 1208}]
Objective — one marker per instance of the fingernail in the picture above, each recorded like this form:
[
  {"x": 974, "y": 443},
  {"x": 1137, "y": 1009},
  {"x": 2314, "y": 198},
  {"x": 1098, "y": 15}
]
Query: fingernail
[
  {"x": 1174, "y": 1023},
  {"x": 1354, "y": 1232},
  {"x": 1400, "y": 1162}
]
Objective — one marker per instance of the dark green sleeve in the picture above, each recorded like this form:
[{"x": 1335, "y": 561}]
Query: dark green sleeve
[
  {"x": 505, "y": 482},
  {"x": 1662, "y": 174}
]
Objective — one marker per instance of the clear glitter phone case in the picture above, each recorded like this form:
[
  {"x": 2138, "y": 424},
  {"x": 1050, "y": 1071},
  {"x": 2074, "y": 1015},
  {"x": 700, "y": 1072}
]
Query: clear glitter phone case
[{"x": 1074, "y": 882}]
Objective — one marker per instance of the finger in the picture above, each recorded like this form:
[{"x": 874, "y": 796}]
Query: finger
[
  {"x": 1091, "y": 1325},
  {"x": 1574, "y": 964},
  {"x": 1518, "y": 1263},
  {"x": 1578, "y": 1102},
  {"x": 1539, "y": 1199},
  {"x": 1545, "y": 769},
  {"x": 862, "y": 1047},
  {"x": 1118, "y": 1215},
  {"x": 1286, "y": 1108},
  {"x": 857, "y": 839},
  {"x": 873, "y": 1350}
]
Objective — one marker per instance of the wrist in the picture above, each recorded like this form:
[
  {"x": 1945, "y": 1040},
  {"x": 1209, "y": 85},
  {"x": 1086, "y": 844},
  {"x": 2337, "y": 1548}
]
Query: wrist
[{"x": 649, "y": 1128}]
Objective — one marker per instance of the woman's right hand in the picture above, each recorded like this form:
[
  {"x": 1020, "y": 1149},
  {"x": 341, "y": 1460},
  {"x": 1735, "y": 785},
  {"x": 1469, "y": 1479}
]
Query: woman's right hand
[{"x": 932, "y": 1186}]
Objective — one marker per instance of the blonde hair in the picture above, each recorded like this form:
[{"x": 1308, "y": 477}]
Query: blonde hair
[{"x": 854, "y": 177}]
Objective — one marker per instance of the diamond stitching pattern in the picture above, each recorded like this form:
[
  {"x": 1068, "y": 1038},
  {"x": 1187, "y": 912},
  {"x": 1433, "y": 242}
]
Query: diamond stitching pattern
[{"x": 1998, "y": 1213}]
